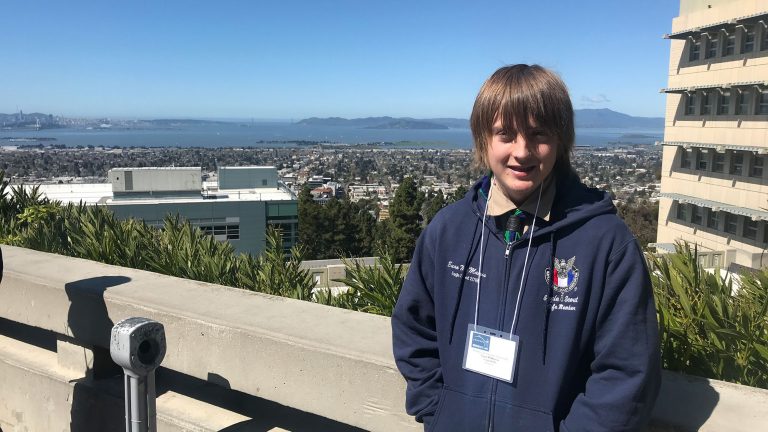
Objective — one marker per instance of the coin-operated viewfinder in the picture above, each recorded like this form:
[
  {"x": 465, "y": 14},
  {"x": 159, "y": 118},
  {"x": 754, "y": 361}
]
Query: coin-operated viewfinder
[{"x": 138, "y": 346}]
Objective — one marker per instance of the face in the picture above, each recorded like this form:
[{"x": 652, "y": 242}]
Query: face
[{"x": 520, "y": 165}]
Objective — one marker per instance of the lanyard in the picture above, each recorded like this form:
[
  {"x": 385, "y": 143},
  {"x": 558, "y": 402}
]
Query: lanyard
[{"x": 525, "y": 262}]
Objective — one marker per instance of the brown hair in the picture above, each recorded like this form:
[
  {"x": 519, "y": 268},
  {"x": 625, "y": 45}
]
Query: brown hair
[{"x": 520, "y": 94}]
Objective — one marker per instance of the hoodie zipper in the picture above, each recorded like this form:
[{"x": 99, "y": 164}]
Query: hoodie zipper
[{"x": 500, "y": 323}]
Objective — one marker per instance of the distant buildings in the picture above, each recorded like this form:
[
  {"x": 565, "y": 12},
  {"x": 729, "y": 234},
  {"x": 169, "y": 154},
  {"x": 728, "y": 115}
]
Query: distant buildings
[
  {"x": 714, "y": 176},
  {"x": 237, "y": 208}
]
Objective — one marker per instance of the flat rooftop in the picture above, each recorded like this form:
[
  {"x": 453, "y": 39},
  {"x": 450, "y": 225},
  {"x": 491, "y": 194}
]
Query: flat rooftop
[{"x": 101, "y": 193}]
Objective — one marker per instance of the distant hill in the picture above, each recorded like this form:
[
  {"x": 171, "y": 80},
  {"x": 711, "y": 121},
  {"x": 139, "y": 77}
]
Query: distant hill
[
  {"x": 605, "y": 118},
  {"x": 182, "y": 122},
  {"x": 407, "y": 124},
  {"x": 387, "y": 122},
  {"x": 585, "y": 118}
]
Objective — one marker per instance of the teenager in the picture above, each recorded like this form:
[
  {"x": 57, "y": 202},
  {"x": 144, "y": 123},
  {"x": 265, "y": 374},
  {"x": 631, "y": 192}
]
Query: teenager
[{"x": 527, "y": 306}]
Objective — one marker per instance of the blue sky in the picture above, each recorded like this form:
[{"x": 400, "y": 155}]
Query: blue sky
[{"x": 294, "y": 59}]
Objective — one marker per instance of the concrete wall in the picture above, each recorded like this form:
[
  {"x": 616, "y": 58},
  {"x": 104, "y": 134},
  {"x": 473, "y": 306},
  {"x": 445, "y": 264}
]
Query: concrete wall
[
  {"x": 236, "y": 360},
  {"x": 155, "y": 179},
  {"x": 247, "y": 177}
]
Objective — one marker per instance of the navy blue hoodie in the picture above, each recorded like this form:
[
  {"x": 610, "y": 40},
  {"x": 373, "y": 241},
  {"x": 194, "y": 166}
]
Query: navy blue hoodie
[{"x": 588, "y": 357}]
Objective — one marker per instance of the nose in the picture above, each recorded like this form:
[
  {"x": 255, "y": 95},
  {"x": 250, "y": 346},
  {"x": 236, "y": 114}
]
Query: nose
[{"x": 520, "y": 150}]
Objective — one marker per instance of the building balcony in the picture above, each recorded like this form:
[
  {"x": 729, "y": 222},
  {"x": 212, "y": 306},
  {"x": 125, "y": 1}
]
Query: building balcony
[{"x": 236, "y": 360}]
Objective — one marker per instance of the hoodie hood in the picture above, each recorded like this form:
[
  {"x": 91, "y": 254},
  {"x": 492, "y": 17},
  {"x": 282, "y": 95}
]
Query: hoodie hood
[{"x": 574, "y": 203}]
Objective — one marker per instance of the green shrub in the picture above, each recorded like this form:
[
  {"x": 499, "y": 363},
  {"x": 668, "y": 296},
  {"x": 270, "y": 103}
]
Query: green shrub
[
  {"x": 373, "y": 289},
  {"x": 708, "y": 327}
]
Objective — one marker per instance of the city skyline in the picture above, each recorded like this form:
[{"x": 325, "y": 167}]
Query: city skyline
[{"x": 348, "y": 59}]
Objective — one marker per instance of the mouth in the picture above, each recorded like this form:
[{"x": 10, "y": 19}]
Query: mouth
[{"x": 521, "y": 170}]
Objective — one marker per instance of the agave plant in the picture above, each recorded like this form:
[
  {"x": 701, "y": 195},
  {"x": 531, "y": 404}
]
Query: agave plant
[
  {"x": 373, "y": 289},
  {"x": 273, "y": 272},
  {"x": 184, "y": 250},
  {"x": 95, "y": 233},
  {"x": 708, "y": 326}
]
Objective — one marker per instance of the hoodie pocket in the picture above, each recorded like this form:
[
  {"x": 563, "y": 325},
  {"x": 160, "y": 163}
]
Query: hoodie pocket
[
  {"x": 522, "y": 418},
  {"x": 459, "y": 412}
]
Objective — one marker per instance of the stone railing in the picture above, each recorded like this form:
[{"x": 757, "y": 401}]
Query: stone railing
[{"x": 236, "y": 360}]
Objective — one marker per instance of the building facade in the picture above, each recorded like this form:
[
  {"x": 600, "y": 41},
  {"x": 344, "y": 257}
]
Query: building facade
[
  {"x": 714, "y": 187},
  {"x": 237, "y": 208}
]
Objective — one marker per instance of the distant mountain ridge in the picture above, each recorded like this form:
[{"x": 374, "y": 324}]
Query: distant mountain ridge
[
  {"x": 387, "y": 122},
  {"x": 606, "y": 118},
  {"x": 584, "y": 118}
]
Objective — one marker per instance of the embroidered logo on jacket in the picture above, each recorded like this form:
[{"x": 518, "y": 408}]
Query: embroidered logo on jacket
[{"x": 564, "y": 276}]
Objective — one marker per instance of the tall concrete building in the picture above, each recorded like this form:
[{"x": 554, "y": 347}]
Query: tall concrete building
[{"x": 714, "y": 186}]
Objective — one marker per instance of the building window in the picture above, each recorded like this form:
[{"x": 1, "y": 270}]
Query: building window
[
  {"x": 703, "y": 260},
  {"x": 765, "y": 232},
  {"x": 762, "y": 106},
  {"x": 730, "y": 45},
  {"x": 690, "y": 103},
  {"x": 749, "y": 230},
  {"x": 712, "y": 219},
  {"x": 743, "y": 103},
  {"x": 718, "y": 162},
  {"x": 756, "y": 170},
  {"x": 685, "y": 159},
  {"x": 724, "y": 103},
  {"x": 717, "y": 260},
  {"x": 682, "y": 212},
  {"x": 695, "y": 48},
  {"x": 702, "y": 160},
  {"x": 737, "y": 163},
  {"x": 711, "y": 46},
  {"x": 222, "y": 232},
  {"x": 697, "y": 215},
  {"x": 730, "y": 223},
  {"x": 764, "y": 40},
  {"x": 707, "y": 100},
  {"x": 263, "y": 182},
  {"x": 748, "y": 40}
]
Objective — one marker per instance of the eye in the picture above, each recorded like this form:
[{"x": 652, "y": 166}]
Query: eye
[{"x": 504, "y": 136}]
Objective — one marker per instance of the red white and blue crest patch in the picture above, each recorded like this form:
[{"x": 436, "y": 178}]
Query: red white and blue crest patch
[{"x": 563, "y": 276}]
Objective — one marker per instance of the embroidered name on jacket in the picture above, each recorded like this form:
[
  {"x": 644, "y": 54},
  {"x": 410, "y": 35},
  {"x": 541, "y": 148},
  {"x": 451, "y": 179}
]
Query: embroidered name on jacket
[
  {"x": 457, "y": 270},
  {"x": 564, "y": 276}
]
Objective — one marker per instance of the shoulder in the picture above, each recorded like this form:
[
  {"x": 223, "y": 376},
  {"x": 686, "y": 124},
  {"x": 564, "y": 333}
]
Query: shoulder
[
  {"x": 591, "y": 217},
  {"x": 458, "y": 213}
]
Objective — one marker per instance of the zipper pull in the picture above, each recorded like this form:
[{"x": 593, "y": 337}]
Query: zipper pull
[{"x": 506, "y": 252}]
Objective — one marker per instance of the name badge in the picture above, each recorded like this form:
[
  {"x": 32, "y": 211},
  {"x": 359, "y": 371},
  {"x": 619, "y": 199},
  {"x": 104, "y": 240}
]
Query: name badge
[{"x": 491, "y": 352}]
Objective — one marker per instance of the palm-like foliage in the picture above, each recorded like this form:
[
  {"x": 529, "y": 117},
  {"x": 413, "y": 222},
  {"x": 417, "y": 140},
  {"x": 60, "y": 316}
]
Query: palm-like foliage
[
  {"x": 373, "y": 289},
  {"x": 95, "y": 233},
  {"x": 185, "y": 251},
  {"x": 275, "y": 273},
  {"x": 708, "y": 327}
]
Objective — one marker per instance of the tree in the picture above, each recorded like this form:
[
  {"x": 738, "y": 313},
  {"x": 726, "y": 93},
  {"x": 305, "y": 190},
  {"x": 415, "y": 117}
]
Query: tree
[
  {"x": 404, "y": 220},
  {"x": 434, "y": 205},
  {"x": 339, "y": 235},
  {"x": 310, "y": 224},
  {"x": 641, "y": 217},
  {"x": 365, "y": 224},
  {"x": 457, "y": 194}
]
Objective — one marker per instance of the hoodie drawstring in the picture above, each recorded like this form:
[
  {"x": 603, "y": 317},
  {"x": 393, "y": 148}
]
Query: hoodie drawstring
[{"x": 548, "y": 303}]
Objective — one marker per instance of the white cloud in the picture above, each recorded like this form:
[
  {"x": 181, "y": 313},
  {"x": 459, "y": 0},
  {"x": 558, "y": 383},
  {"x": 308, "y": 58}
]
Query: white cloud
[{"x": 596, "y": 99}]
